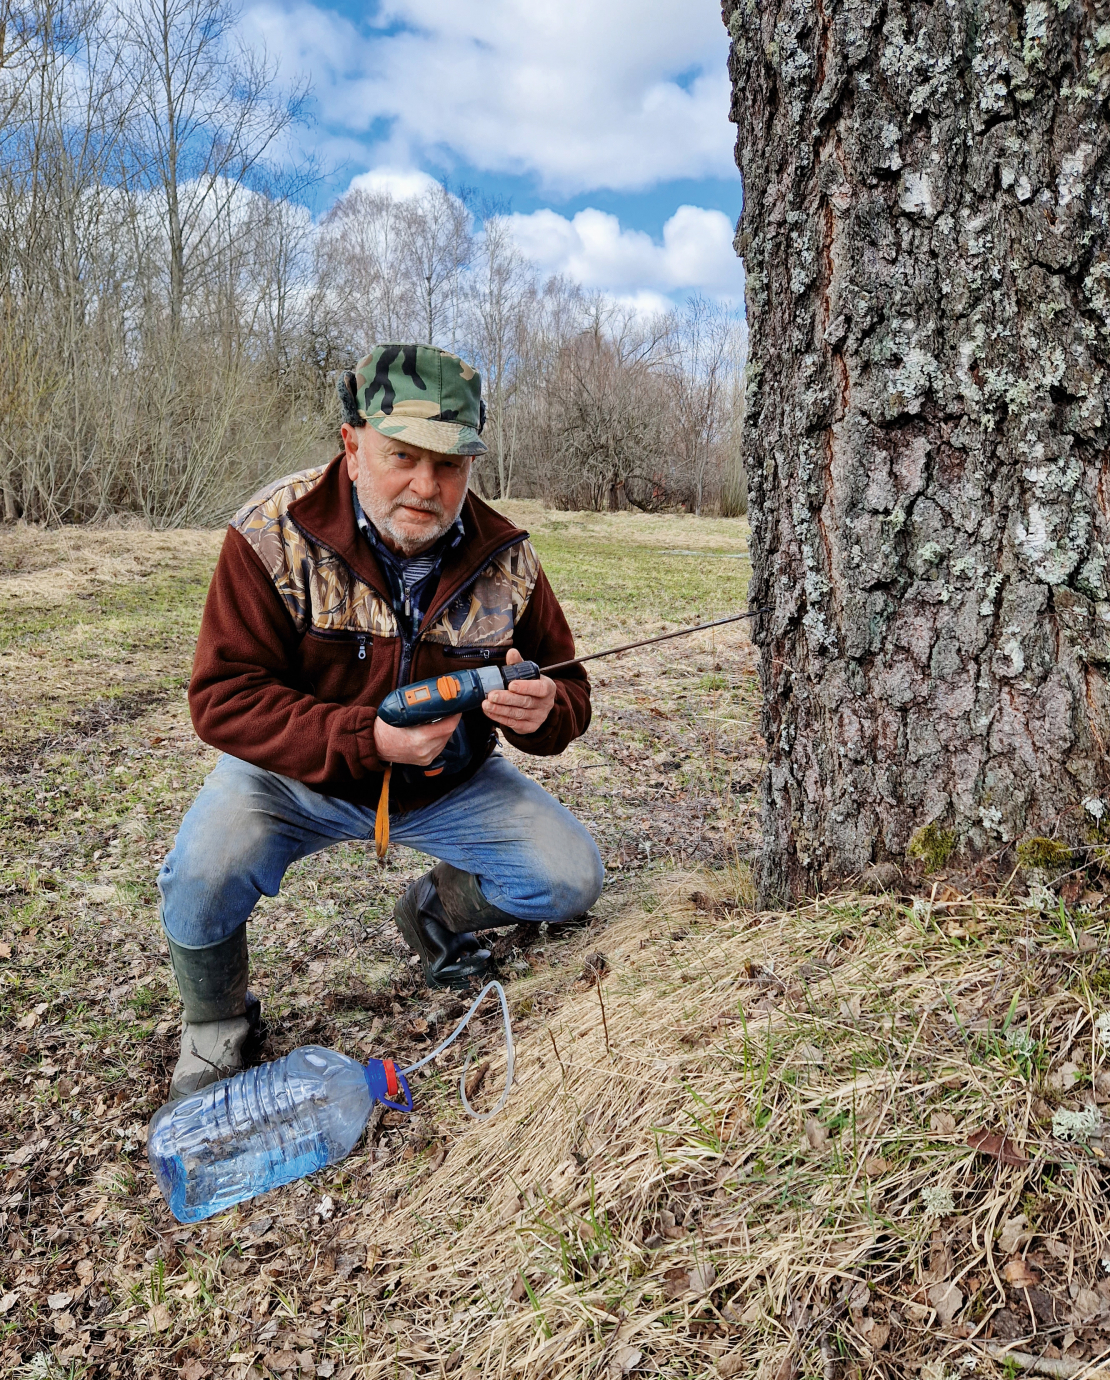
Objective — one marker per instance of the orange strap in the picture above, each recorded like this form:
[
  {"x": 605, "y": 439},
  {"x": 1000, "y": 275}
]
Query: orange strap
[{"x": 381, "y": 817}]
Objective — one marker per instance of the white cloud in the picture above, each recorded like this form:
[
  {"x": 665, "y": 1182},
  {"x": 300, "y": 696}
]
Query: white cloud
[
  {"x": 581, "y": 94},
  {"x": 592, "y": 249},
  {"x": 399, "y": 184}
]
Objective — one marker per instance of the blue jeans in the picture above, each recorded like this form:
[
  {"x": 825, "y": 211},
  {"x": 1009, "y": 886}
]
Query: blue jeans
[{"x": 531, "y": 856}]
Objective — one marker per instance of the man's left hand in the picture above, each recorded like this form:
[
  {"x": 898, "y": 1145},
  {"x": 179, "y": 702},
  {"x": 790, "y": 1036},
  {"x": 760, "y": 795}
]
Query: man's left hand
[{"x": 525, "y": 705}]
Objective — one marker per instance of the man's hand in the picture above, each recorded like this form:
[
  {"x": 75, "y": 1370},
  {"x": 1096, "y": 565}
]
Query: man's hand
[
  {"x": 416, "y": 747},
  {"x": 525, "y": 705}
]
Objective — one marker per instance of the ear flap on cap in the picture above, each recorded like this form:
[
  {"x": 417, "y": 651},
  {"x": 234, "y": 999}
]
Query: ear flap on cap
[
  {"x": 481, "y": 415},
  {"x": 346, "y": 385}
]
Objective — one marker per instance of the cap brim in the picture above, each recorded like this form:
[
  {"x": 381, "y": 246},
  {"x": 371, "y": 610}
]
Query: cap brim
[{"x": 445, "y": 438}]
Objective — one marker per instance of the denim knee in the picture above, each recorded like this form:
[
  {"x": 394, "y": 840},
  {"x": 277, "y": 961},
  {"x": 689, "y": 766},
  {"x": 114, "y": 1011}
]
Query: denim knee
[
  {"x": 577, "y": 878},
  {"x": 222, "y": 860}
]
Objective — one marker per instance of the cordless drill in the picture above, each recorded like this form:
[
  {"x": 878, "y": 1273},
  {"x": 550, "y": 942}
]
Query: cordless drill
[{"x": 456, "y": 693}]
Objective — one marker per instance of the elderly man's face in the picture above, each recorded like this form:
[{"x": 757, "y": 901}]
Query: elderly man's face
[{"x": 412, "y": 496}]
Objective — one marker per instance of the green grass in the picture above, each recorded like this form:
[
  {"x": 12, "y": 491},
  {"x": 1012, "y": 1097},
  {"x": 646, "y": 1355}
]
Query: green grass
[{"x": 631, "y": 584}]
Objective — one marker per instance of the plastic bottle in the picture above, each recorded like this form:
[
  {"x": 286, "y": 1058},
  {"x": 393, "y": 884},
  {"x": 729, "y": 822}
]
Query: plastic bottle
[{"x": 265, "y": 1127}]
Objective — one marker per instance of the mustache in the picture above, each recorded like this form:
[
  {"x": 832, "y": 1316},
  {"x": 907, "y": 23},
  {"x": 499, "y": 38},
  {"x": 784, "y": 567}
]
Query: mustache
[{"x": 421, "y": 505}]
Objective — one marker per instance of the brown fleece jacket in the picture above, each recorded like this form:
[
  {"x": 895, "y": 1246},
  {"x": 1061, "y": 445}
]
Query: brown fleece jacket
[{"x": 299, "y": 644}]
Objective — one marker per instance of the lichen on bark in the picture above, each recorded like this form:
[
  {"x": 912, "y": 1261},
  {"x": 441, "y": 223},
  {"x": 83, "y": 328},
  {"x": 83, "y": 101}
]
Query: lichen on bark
[{"x": 926, "y": 232}]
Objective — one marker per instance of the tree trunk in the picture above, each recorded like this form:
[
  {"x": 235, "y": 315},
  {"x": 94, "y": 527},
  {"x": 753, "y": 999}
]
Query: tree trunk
[{"x": 925, "y": 230}]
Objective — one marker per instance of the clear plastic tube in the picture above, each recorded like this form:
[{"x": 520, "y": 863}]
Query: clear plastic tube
[{"x": 510, "y": 1053}]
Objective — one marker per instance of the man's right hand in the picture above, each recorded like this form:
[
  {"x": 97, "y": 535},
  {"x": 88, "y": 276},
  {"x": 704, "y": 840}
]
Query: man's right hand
[{"x": 416, "y": 747}]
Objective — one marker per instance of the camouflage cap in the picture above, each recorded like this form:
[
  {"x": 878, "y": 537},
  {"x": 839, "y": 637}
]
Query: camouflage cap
[{"x": 425, "y": 395}]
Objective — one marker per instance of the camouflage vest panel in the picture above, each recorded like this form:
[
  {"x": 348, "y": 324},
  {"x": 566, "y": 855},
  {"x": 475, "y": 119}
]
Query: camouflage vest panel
[{"x": 322, "y": 592}]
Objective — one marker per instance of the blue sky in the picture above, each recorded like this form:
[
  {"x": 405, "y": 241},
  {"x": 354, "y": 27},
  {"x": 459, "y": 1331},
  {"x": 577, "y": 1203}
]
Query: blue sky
[{"x": 601, "y": 124}]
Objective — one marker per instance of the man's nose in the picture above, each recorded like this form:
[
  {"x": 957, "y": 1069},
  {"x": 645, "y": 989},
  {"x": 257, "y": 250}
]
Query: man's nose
[{"x": 424, "y": 482}]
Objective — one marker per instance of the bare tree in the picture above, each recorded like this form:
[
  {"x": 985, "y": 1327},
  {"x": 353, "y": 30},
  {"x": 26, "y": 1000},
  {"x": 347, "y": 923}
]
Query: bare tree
[
  {"x": 363, "y": 269},
  {"x": 211, "y": 109},
  {"x": 703, "y": 356},
  {"x": 438, "y": 248},
  {"x": 502, "y": 290}
]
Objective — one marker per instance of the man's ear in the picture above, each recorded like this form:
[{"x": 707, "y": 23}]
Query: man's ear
[{"x": 350, "y": 447}]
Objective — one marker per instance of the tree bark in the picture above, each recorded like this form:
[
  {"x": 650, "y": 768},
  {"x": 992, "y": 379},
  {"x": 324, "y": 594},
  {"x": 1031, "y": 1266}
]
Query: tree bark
[{"x": 925, "y": 230}]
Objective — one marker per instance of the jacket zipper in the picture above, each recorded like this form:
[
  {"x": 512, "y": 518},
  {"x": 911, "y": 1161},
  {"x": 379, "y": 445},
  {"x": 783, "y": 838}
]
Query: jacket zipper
[{"x": 408, "y": 649}]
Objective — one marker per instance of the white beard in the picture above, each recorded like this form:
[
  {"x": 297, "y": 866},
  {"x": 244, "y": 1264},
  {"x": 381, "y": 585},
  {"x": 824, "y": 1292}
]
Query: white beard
[{"x": 381, "y": 515}]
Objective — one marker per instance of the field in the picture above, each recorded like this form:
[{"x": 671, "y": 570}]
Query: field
[{"x": 813, "y": 1143}]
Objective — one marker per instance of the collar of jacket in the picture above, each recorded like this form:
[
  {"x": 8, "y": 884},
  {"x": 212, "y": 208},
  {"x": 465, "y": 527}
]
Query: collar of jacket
[{"x": 326, "y": 514}]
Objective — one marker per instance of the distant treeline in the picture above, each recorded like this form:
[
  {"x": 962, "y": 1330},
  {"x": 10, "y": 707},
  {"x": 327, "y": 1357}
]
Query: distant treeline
[{"x": 172, "y": 319}]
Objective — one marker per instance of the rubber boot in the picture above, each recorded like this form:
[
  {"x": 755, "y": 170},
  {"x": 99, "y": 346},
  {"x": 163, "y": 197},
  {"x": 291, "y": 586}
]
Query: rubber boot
[
  {"x": 438, "y": 916},
  {"x": 221, "y": 1017}
]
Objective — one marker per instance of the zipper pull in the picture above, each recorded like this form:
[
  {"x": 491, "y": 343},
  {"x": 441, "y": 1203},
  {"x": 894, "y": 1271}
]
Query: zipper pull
[
  {"x": 408, "y": 603},
  {"x": 362, "y": 649}
]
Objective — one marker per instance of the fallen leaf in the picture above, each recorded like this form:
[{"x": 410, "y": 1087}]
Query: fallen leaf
[
  {"x": 733, "y": 1362},
  {"x": 56, "y": 1301},
  {"x": 159, "y": 1317},
  {"x": 942, "y": 1123},
  {"x": 96, "y": 1212},
  {"x": 1013, "y": 1230},
  {"x": 260, "y": 1226},
  {"x": 85, "y": 1270},
  {"x": 191, "y": 1290},
  {"x": 998, "y": 1147},
  {"x": 194, "y": 1369},
  {"x": 8, "y": 1302},
  {"x": 1065, "y": 1076},
  {"x": 947, "y": 1300},
  {"x": 22, "y": 1155},
  {"x": 876, "y": 1165},
  {"x": 327, "y": 1368},
  {"x": 419, "y": 1026},
  {"x": 1088, "y": 1304},
  {"x": 677, "y": 1283},
  {"x": 751, "y": 1315},
  {"x": 1017, "y": 1273},
  {"x": 876, "y": 1334},
  {"x": 5, "y": 950},
  {"x": 625, "y": 1358},
  {"x": 859, "y": 1298},
  {"x": 476, "y": 1078},
  {"x": 63, "y": 1323},
  {"x": 702, "y": 1278},
  {"x": 816, "y": 1134},
  {"x": 325, "y": 1208},
  {"x": 519, "y": 1289},
  {"x": 281, "y": 1362}
]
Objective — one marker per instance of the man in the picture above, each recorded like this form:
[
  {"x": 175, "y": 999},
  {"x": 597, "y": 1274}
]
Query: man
[{"x": 333, "y": 587}]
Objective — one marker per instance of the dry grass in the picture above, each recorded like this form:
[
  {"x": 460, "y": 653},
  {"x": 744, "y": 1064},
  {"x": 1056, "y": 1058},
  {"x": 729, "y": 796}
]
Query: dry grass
[{"x": 741, "y": 1167}]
